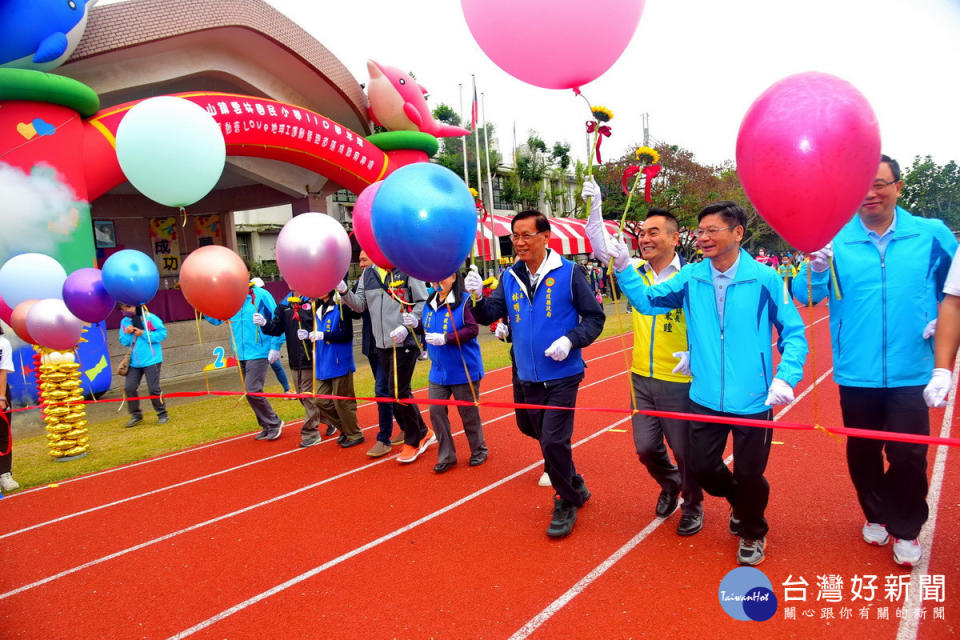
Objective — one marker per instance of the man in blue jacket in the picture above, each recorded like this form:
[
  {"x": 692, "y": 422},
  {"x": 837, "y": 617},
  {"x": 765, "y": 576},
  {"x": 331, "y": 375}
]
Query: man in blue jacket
[
  {"x": 890, "y": 268},
  {"x": 553, "y": 315},
  {"x": 731, "y": 304},
  {"x": 254, "y": 348}
]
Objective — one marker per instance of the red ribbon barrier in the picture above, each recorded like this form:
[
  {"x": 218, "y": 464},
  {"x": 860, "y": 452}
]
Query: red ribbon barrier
[{"x": 872, "y": 434}]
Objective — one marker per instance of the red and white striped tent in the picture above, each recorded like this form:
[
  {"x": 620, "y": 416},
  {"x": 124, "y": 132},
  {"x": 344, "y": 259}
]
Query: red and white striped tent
[{"x": 568, "y": 235}]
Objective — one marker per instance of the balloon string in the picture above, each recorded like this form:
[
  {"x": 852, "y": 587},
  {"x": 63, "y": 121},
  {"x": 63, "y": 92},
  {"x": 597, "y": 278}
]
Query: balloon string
[
  {"x": 233, "y": 342},
  {"x": 197, "y": 316},
  {"x": 466, "y": 369},
  {"x": 314, "y": 342},
  {"x": 813, "y": 351},
  {"x": 146, "y": 328},
  {"x": 183, "y": 212},
  {"x": 396, "y": 385}
]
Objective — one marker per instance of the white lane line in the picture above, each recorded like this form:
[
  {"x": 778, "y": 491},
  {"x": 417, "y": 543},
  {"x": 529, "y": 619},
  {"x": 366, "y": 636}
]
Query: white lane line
[
  {"x": 246, "y": 435},
  {"x": 237, "y": 512},
  {"x": 550, "y": 610},
  {"x": 910, "y": 622},
  {"x": 372, "y": 544},
  {"x": 218, "y": 473}
]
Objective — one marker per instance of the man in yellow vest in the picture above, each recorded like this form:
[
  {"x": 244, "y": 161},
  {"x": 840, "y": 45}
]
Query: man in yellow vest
[{"x": 659, "y": 381}]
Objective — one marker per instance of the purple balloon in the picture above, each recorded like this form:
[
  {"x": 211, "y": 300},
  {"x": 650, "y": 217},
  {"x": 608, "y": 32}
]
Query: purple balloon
[
  {"x": 53, "y": 326},
  {"x": 313, "y": 253},
  {"x": 86, "y": 297}
]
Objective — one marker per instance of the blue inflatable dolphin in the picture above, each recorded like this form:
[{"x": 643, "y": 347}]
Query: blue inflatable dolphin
[{"x": 40, "y": 34}]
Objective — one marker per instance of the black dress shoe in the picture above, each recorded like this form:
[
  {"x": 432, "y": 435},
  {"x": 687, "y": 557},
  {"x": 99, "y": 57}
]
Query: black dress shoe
[
  {"x": 478, "y": 459},
  {"x": 330, "y": 431},
  {"x": 346, "y": 443},
  {"x": 690, "y": 524},
  {"x": 581, "y": 488},
  {"x": 441, "y": 467},
  {"x": 341, "y": 439},
  {"x": 667, "y": 503}
]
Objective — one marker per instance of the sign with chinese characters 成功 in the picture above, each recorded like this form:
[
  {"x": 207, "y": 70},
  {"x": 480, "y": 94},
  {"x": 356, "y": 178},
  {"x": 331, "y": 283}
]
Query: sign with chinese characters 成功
[{"x": 166, "y": 247}]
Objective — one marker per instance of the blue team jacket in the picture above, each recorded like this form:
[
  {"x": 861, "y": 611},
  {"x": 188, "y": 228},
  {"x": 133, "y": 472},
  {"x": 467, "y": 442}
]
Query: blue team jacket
[
  {"x": 446, "y": 364},
  {"x": 249, "y": 341},
  {"x": 334, "y": 355},
  {"x": 147, "y": 350},
  {"x": 732, "y": 364},
  {"x": 877, "y": 321}
]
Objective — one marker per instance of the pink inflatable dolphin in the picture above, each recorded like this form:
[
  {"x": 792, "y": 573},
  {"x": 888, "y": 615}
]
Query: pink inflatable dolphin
[{"x": 397, "y": 103}]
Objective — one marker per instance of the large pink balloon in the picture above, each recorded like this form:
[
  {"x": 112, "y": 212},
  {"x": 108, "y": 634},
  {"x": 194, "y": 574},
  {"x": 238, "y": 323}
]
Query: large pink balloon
[
  {"x": 555, "y": 44},
  {"x": 807, "y": 152},
  {"x": 313, "y": 253},
  {"x": 52, "y": 325},
  {"x": 363, "y": 227}
]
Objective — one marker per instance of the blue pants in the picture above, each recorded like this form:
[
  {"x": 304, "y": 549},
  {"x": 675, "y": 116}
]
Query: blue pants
[{"x": 281, "y": 375}]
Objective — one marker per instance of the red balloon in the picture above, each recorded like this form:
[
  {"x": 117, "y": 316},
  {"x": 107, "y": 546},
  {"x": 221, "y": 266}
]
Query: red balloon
[
  {"x": 807, "y": 152},
  {"x": 363, "y": 226},
  {"x": 215, "y": 281},
  {"x": 18, "y": 320},
  {"x": 5, "y": 311}
]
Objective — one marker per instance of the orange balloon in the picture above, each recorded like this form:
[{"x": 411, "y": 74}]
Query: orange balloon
[
  {"x": 18, "y": 320},
  {"x": 215, "y": 281}
]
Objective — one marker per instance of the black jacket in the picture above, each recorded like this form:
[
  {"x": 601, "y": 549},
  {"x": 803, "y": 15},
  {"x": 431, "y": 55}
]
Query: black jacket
[{"x": 285, "y": 322}]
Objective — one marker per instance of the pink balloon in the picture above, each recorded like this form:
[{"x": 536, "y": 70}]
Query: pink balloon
[
  {"x": 363, "y": 228},
  {"x": 807, "y": 152},
  {"x": 52, "y": 325},
  {"x": 555, "y": 44},
  {"x": 313, "y": 253},
  {"x": 5, "y": 311}
]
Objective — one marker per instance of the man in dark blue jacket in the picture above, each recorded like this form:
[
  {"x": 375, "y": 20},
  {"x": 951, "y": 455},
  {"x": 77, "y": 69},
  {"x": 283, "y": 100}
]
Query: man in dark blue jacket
[{"x": 553, "y": 315}]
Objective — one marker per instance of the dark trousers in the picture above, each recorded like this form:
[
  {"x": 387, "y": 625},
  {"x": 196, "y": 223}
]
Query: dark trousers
[
  {"x": 745, "y": 488},
  {"x": 132, "y": 382},
  {"x": 381, "y": 389},
  {"x": 554, "y": 430},
  {"x": 6, "y": 438},
  {"x": 896, "y": 496},
  {"x": 649, "y": 433},
  {"x": 523, "y": 419},
  {"x": 407, "y": 415}
]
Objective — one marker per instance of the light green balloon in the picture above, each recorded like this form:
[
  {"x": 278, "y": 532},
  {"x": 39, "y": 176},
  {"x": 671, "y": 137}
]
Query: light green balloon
[{"x": 171, "y": 150}]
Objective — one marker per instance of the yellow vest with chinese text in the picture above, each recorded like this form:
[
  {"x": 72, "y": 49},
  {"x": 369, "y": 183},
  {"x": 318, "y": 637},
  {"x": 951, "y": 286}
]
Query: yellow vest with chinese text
[{"x": 657, "y": 338}]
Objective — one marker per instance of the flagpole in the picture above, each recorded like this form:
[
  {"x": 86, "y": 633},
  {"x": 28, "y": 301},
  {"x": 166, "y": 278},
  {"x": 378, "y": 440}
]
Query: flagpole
[
  {"x": 463, "y": 144},
  {"x": 494, "y": 242},
  {"x": 476, "y": 145}
]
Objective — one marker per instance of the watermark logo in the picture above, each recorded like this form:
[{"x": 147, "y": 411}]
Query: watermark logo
[{"x": 747, "y": 594}]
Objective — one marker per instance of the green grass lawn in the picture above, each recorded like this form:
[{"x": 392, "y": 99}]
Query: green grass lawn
[{"x": 197, "y": 422}]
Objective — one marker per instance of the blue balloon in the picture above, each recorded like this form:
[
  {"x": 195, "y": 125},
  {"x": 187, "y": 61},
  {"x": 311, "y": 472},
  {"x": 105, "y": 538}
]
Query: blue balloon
[
  {"x": 424, "y": 220},
  {"x": 131, "y": 277}
]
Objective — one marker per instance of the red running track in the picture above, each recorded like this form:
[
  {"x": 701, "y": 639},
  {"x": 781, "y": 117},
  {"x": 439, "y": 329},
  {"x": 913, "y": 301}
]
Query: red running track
[{"x": 246, "y": 539}]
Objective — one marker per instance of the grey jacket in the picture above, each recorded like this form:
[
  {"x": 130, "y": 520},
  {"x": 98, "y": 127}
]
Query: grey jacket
[{"x": 385, "y": 312}]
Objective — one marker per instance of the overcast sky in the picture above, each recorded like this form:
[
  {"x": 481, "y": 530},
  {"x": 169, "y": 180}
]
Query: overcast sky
[{"x": 694, "y": 65}]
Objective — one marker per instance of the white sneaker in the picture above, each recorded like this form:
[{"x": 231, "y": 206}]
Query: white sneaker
[
  {"x": 875, "y": 533},
  {"x": 544, "y": 480},
  {"x": 7, "y": 483},
  {"x": 907, "y": 553}
]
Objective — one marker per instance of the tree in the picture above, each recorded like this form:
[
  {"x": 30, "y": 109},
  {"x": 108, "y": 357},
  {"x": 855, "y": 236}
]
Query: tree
[
  {"x": 933, "y": 190},
  {"x": 451, "y": 149}
]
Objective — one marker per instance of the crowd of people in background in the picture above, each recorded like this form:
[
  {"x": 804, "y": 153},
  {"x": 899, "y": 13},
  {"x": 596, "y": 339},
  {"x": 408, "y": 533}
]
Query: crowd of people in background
[{"x": 702, "y": 332}]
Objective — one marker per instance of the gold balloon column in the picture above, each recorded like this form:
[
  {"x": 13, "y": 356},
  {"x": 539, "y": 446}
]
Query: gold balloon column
[{"x": 59, "y": 382}]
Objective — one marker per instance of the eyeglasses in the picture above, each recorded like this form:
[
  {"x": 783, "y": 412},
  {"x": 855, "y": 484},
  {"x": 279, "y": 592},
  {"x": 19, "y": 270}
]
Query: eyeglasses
[
  {"x": 517, "y": 237},
  {"x": 711, "y": 232},
  {"x": 880, "y": 185}
]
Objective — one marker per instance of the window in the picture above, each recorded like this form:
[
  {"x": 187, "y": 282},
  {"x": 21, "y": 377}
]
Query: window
[
  {"x": 243, "y": 246},
  {"x": 498, "y": 201}
]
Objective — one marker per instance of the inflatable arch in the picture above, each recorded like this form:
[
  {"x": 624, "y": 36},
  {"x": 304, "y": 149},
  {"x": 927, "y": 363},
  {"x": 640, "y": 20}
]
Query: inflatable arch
[{"x": 50, "y": 122}]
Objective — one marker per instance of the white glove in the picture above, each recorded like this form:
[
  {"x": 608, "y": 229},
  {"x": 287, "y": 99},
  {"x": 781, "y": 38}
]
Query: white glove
[
  {"x": 592, "y": 190},
  {"x": 302, "y": 334},
  {"x": 273, "y": 356},
  {"x": 560, "y": 349},
  {"x": 820, "y": 260},
  {"x": 683, "y": 367},
  {"x": 502, "y": 330},
  {"x": 930, "y": 329},
  {"x": 780, "y": 393},
  {"x": 342, "y": 287},
  {"x": 473, "y": 282},
  {"x": 316, "y": 336},
  {"x": 935, "y": 393},
  {"x": 399, "y": 335},
  {"x": 410, "y": 320},
  {"x": 436, "y": 339},
  {"x": 259, "y": 320},
  {"x": 618, "y": 251}
]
